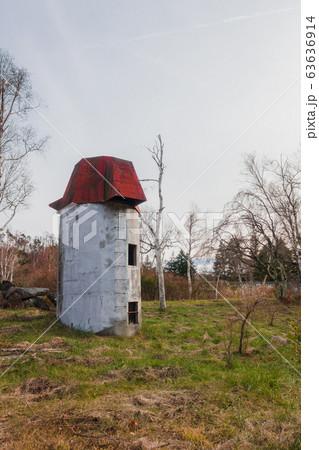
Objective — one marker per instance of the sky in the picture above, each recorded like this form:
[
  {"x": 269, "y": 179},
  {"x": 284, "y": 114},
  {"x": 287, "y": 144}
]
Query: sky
[{"x": 216, "y": 79}]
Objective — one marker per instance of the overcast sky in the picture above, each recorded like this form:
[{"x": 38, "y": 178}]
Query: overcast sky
[{"x": 115, "y": 74}]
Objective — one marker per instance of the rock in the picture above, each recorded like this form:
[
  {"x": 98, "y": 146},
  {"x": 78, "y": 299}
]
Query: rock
[
  {"x": 51, "y": 298},
  {"x": 10, "y": 330},
  {"x": 14, "y": 302},
  {"x": 10, "y": 293},
  {"x": 5, "y": 285},
  {"x": 25, "y": 293},
  {"x": 29, "y": 302},
  {"x": 20, "y": 297},
  {"x": 44, "y": 303},
  {"x": 40, "y": 386}
]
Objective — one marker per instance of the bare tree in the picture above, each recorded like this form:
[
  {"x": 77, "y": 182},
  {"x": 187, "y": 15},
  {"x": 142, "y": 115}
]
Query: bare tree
[
  {"x": 229, "y": 264},
  {"x": 228, "y": 334},
  {"x": 17, "y": 138},
  {"x": 270, "y": 309},
  {"x": 250, "y": 308},
  {"x": 8, "y": 255},
  {"x": 284, "y": 197},
  {"x": 196, "y": 239},
  {"x": 263, "y": 220},
  {"x": 153, "y": 238}
]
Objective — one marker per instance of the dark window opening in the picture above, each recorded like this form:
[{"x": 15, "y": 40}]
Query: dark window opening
[
  {"x": 132, "y": 255},
  {"x": 133, "y": 313}
]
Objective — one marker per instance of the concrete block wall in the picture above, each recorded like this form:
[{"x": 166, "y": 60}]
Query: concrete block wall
[{"x": 94, "y": 275}]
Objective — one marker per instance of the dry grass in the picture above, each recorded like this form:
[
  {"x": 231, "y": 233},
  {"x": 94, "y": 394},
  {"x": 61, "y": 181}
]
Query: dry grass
[{"x": 167, "y": 387}]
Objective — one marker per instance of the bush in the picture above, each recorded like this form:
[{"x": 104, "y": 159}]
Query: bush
[
  {"x": 149, "y": 286},
  {"x": 295, "y": 338}
]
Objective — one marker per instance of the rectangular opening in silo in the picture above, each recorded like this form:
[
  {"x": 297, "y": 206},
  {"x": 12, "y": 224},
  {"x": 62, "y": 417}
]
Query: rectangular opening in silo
[
  {"x": 132, "y": 255},
  {"x": 133, "y": 313}
]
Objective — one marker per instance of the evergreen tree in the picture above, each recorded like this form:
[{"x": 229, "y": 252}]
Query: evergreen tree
[{"x": 178, "y": 265}]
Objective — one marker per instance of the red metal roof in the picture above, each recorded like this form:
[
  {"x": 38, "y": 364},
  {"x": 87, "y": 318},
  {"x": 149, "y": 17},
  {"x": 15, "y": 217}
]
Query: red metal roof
[{"x": 99, "y": 179}]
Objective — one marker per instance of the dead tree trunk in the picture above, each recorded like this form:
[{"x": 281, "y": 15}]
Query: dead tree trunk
[
  {"x": 157, "y": 240},
  {"x": 189, "y": 277},
  {"x": 158, "y": 158},
  {"x": 161, "y": 282},
  {"x": 217, "y": 285}
]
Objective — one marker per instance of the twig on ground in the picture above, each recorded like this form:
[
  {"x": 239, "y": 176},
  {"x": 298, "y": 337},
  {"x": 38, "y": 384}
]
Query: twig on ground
[
  {"x": 92, "y": 436},
  {"x": 28, "y": 405}
]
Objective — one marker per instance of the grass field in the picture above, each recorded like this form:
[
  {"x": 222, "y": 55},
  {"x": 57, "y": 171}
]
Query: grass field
[{"x": 168, "y": 387}]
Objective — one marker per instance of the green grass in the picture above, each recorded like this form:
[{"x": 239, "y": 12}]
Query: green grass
[{"x": 191, "y": 398}]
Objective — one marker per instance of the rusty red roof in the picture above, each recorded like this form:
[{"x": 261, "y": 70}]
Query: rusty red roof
[{"x": 99, "y": 179}]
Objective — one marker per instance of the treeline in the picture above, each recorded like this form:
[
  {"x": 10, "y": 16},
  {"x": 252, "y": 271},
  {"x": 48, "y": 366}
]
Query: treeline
[
  {"x": 29, "y": 261},
  {"x": 203, "y": 288},
  {"x": 224, "y": 278},
  {"x": 33, "y": 262},
  {"x": 176, "y": 286}
]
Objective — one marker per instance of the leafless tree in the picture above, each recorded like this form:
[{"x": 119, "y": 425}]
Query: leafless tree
[
  {"x": 8, "y": 255},
  {"x": 196, "y": 240},
  {"x": 270, "y": 309},
  {"x": 250, "y": 308},
  {"x": 17, "y": 138},
  {"x": 228, "y": 334},
  {"x": 263, "y": 220},
  {"x": 284, "y": 198},
  {"x": 230, "y": 264},
  {"x": 153, "y": 237}
]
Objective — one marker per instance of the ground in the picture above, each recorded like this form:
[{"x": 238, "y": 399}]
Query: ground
[{"x": 170, "y": 386}]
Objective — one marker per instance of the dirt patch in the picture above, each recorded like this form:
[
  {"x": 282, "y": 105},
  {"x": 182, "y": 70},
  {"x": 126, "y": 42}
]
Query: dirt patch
[
  {"x": 145, "y": 373},
  {"x": 146, "y": 399},
  {"x": 102, "y": 360},
  {"x": 166, "y": 400},
  {"x": 183, "y": 329},
  {"x": 145, "y": 443},
  {"x": 28, "y": 316},
  {"x": 41, "y": 387},
  {"x": 23, "y": 345},
  {"x": 10, "y": 330},
  {"x": 250, "y": 351},
  {"x": 98, "y": 350},
  {"x": 53, "y": 343},
  {"x": 231, "y": 444},
  {"x": 148, "y": 314},
  {"x": 83, "y": 361},
  {"x": 280, "y": 340}
]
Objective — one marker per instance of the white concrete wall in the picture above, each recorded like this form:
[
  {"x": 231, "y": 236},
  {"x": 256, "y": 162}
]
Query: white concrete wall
[{"x": 93, "y": 268}]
